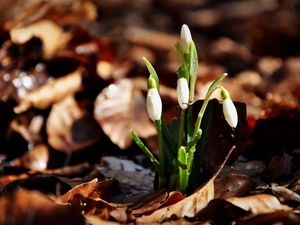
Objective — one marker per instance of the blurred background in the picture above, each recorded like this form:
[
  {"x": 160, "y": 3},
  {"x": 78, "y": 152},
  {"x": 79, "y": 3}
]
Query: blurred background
[{"x": 72, "y": 78}]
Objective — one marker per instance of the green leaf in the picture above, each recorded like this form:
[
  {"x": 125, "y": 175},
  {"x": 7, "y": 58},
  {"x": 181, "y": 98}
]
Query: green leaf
[
  {"x": 183, "y": 170},
  {"x": 180, "y": 52},
  {"x": 146, "y": 151},
  {"x": 151, "y": 71}
]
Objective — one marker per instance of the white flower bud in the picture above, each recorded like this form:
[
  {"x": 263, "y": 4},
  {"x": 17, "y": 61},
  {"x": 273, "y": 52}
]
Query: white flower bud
[
  {"x": 185, "y": 38},
  {"x": 183, "y": 92},
  {"x": 154, "y": 104},
  {"x": 230, "y": 112}
]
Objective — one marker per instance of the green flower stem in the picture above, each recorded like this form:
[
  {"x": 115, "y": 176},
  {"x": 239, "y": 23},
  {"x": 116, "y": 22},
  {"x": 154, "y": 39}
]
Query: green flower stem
[
  {"x": 146, "y": 151},
  {"x": 181, "y": 127},
  {"x": 214, "y": 86},
  {"x": 162, "y": 172}
]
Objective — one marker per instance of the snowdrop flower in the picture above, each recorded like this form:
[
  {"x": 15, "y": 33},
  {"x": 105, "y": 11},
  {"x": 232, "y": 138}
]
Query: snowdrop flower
[
  {"x": 185, "y": 38},
  {"x": 183, "y": 92},
  {"x": 229, "y": 109},
  {"x": 154, "y": 104}
]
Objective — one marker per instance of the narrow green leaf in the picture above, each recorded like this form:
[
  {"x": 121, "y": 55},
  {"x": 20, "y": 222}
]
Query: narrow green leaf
[
  {"x": 146, "y": 151},
  {"x": 183, "y": 170},
  {"x": 151, "y": 71},
  {"x": 180, "y": 52}
]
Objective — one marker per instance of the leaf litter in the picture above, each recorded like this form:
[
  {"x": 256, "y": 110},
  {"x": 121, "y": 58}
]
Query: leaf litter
[{"x": 70, "y": 93}]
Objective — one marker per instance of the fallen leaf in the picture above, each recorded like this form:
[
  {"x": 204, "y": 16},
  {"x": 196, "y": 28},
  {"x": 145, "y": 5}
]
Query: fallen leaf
[
  {"x": 233, "y": 185},
  {"x": 70, "y": 171},
  {"x": 153, "y": 201},
  {"x": 51, "y": 92},
  {"x": 84, "y": 189},
  {"x": 219, "y": 211},
  {"x": 66, "y": 12},
  {"x": 68, "y": 127},
  {"x": 120, "y": 108},
  {"x": 4, "y": 180},
  {"x": 51, "y": 34},
  {"x": 277, "y": 217},
  {"x": 260, "y": 203},
  {"x": 35, "y": 159},
  {"x": 283, "y": 193},
  {"x": 94, "y": 220},
  {"x": 279, "y": 166},
  {"x": 32, "y": 207},
  {"x": 47, "y": 184}
]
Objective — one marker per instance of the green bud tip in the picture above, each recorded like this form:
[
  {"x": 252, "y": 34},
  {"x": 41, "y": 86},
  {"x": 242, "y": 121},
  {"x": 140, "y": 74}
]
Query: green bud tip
[
  {"x": 151, "y": 82},
  {"x": 224, "y": 94}
]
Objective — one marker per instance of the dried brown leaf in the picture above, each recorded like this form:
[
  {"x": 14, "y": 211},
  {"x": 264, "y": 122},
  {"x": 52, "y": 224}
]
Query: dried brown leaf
[
  {"x": 35, "y": 159},
  {"x": 233, "y": 185},
  {"x": 277, "y": 217},
  {"x": 153, "y": 201},
  {"x": 120, "y": 108},
  {"x": 69, "y": 129},
  {"x": 52, "y": 36},
  {"x": 84, "y": 189},
  {"x": 51, "y": 92},
  {"x": 279, "y": 166},
  {"x": 260, "y": 203},
  {"x": 94, "y": 220},
  {"x": 32, "y": 207},
  {"x": 62, "y": 12}
]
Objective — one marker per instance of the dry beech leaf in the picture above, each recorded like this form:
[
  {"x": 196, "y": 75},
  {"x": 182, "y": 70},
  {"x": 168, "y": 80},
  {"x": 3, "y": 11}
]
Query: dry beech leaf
[
  {"x": 32, "y": 207},
  {"x": 94, "y": 220},
  {"x": 233, "y": 185},
  {"x": 35, "y": 159},
  {"x": 62, "y": 12},
  {"x": 120, "y": 108},
  {"x": 153, "y": 201},
  {"x": 189, "y": 206},
  {"x": 6, "y": 179},
  {"x": 51, "y": 34},
  {"x": 84, "y": 189},
  {"x": 51, "y": 92},
  {"x": 260, "y": 203},
  {"x": 68, "y": 128}
]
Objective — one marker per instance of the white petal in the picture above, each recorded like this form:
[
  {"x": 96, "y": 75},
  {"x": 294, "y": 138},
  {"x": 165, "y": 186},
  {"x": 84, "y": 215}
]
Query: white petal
[
  {"x": 230, "y": 112},
  {"x": 183, "y": 93},
  {"x": 185, "y": 38},
  {"x": 154, "y": 104}
]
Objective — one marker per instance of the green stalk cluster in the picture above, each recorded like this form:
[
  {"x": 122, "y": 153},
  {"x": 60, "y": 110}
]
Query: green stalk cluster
[{"x": 178, "y": 143}]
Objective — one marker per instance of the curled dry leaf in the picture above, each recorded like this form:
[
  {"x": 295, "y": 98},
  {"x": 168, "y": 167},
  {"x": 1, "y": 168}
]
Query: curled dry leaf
[
  {"x": 51, "y": 92},
  {"x": 69, "y": 129},
  {"x": 84, "y": 189},
  {"x": 154, "y": 201},
  {"x": 32, "y": 207},
  {"x": 120, "y": 108},
  {"x": 52, "y": 36},
  {"x": 261, "y": 203}
]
